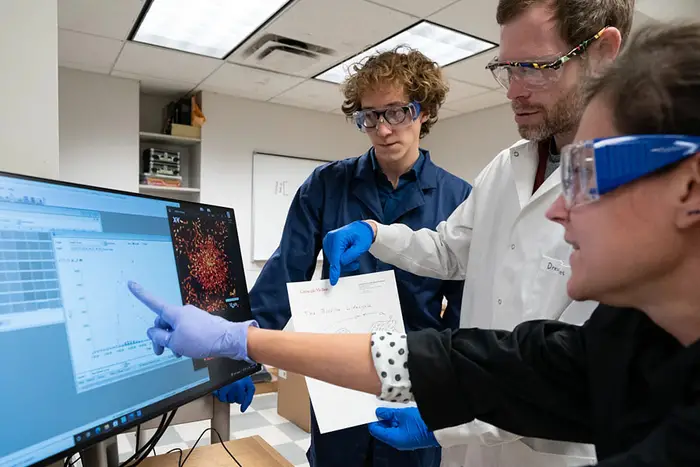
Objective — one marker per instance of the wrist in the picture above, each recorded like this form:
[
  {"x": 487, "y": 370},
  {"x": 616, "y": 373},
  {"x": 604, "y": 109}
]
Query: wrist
[
  {"x": 373, "y": 227},
  {"x": 236, "y": 340},
  {"x": 251, "y": 339}
]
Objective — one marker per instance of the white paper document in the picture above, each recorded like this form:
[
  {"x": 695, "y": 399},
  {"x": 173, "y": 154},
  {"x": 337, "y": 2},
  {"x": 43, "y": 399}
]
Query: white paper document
[{"x": 356, "y": 304}]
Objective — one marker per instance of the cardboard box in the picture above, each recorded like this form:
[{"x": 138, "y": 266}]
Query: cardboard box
[
  {"x": 268, "y": 386},
  {"x": 185, "y": 130},
  {"x": 154, "y": 180},
  {"x": 293, "y": 399}
]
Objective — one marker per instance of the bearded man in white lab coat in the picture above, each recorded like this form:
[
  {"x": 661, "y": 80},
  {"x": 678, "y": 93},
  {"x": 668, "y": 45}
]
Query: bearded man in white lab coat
[{"x": 515, "y": 261}]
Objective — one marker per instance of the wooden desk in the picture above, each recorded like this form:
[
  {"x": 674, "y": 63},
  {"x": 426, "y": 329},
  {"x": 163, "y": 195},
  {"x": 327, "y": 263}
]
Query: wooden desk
[{"x": 250, "y": 452}]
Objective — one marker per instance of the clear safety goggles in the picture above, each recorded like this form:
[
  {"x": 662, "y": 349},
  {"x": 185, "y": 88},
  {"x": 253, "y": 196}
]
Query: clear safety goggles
[
  {"x": 534, "y": 75},
  {"x": 589, "y": 169},
  {"x": 395, "y": 115}
]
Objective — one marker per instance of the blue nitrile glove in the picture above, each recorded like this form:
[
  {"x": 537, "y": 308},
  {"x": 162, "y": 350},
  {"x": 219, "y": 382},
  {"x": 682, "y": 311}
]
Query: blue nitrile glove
[
  {"x": 402, "y": 429},
  {"x": 343, "y": 246},
  {"x": 194, "y": 333},
  {"x": 238, "y": 392}
]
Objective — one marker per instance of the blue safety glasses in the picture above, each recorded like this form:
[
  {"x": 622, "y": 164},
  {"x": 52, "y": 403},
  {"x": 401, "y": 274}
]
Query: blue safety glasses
[{"x": 592, "y": 168}]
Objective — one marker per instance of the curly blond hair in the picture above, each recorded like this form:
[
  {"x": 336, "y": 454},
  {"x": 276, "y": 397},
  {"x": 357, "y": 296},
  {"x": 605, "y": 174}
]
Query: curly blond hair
[{"x": 420, "y": 78}]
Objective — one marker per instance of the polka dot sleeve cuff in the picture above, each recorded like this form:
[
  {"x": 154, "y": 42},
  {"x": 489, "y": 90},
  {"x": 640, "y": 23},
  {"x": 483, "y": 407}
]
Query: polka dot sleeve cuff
[{"x": 390, "y": 355}]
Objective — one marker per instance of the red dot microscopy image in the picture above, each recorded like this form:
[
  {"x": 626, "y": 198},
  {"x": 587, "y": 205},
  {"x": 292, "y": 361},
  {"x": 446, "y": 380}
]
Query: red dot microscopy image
[{"x": 200, "y": 250}]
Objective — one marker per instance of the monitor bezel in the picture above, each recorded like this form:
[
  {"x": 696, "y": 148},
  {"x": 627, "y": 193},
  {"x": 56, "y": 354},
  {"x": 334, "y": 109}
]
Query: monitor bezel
[{"x": 178, "y": 400}]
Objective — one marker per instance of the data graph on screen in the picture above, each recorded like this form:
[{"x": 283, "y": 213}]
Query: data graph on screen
[
  {"x": 106, "y": 325},
  {"x": 124, "y": 327}
]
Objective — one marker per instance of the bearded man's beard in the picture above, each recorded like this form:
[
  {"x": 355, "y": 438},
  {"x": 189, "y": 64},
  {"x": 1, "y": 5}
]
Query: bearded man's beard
[{"x": 563, "y": 117}]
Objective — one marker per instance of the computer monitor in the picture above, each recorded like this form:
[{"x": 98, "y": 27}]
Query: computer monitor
[{"x": 77, "y": 366}]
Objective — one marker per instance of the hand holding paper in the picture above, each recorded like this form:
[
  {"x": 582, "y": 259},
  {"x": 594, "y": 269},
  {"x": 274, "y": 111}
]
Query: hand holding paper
[
  {"x": 403, "y": 429},
  {"x": 358, "y": 304}
]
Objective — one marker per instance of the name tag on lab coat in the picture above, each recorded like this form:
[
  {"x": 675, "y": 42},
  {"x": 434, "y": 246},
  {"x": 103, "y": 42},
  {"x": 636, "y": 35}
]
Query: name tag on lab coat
[{"x": 555, "y": 266}]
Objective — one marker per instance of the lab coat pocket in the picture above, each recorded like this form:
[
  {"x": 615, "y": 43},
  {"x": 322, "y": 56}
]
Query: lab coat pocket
[{"x": 549, "y": 297}]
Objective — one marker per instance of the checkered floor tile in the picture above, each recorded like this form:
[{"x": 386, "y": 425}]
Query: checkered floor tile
[{"x": 260, "y": 419}]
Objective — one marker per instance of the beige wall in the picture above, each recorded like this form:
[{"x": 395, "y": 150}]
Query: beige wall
[
  {"x": 465, "y": 144},
  {"x": 29, "y": 83},
  {"x": 99, "y": 129}
]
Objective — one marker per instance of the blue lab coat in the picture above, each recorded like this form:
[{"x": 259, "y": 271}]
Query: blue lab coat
[{"x": 337, "y": 194}]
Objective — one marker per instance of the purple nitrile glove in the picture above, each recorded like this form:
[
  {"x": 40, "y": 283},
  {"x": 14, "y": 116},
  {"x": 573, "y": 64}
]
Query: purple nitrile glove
[{"x": 194, "y": 333}]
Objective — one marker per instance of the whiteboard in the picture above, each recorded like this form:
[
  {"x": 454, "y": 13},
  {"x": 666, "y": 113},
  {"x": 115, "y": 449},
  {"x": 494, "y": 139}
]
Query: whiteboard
[{"x": 276, "y": 180}]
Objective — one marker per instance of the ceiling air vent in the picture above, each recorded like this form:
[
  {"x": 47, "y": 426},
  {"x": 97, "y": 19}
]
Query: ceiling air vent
[{"x": 283, "y": 54}]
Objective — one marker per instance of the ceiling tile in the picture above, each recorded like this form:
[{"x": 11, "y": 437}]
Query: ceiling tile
[
  {"x": 338, "y": 30},
  {"x": 482, "y": 101},
  {"x": 419, "y": 8},
  {"x": 460, "y": 90},
  {"x": 87, "y": 52},
  {"x": 475, "y": 17},
  {"x": 107, "y": 18},
  {"x": 473, "y": 70},
  {"x": 164, "y": 63},
  {"x": 247, "y": 82},
  {"x": 312, "y": 94},
  {"x": 156, "y": 86}
]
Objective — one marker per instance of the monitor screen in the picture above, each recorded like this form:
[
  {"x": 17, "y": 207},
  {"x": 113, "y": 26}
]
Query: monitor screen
[{"x": 77, "y": 364}]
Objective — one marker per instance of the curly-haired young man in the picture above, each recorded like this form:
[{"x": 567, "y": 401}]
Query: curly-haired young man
[{"x": 394, "y": 98}]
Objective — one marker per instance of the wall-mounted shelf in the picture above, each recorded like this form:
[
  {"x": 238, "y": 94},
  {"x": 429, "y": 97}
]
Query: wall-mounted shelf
[
  {"x": 147, "y": 137},
  {"x": 152, "y": 111},
  {"x": 166, "y": 189}
]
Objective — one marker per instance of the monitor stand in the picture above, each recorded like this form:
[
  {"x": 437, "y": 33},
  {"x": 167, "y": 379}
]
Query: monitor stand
[
  {"x": 106, "y": 453},
  {"x": 103, "y": 454}
]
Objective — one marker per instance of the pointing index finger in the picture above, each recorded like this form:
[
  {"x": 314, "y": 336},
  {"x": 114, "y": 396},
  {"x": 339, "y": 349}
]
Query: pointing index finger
[{"x": 162, "y": 309}]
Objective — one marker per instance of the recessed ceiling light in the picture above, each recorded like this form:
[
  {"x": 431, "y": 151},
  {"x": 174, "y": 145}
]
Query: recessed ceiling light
[
  {"x": 206, "y": 27},
  {"x": 442, "y": 45}
]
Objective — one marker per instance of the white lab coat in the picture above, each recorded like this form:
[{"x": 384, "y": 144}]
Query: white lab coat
[{"x": 515, "y": 263}]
